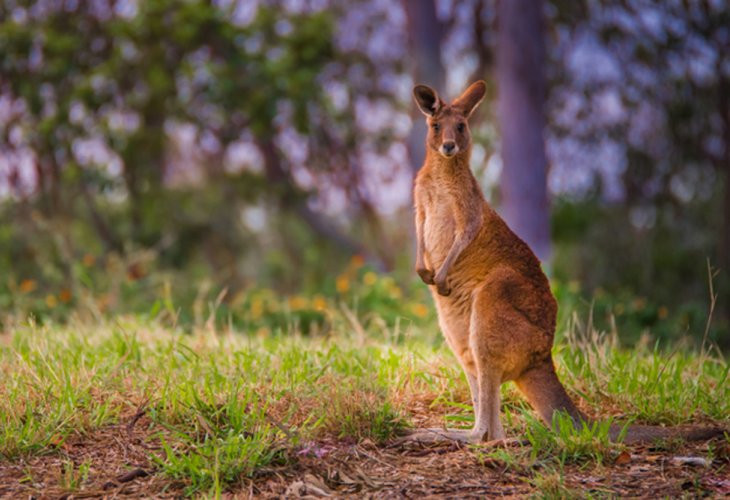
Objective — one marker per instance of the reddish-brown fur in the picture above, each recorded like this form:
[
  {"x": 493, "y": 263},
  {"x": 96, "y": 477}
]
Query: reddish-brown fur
[{"x": 494, "y": 302}]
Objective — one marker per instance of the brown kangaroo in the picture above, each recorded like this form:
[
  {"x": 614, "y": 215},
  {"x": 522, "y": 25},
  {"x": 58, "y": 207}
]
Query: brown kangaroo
[{"x": 494, "y": 303}]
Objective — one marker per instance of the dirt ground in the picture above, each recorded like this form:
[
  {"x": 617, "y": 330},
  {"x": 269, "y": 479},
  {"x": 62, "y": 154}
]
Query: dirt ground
[{"x": 119, "y": 467}]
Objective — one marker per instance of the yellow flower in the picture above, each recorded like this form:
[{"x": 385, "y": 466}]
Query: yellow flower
[
  {"x": 395, "y": 292},
  {"x": 639, "y": 303},
  {"x": 263, "y": 332},
  {"x": 342, "y": 284},
  {"x": 257, "y": 308},
  {"x": 319, "y": 303},
  {"x": 27, "y": 286},
  {"x": 370, "y": 278},
  {"x": 619, "y": 309},
  {"x": 419, "y": 310},
  {"x": 51, "y": 301},
  {"x": 663, "y": 312},
  {"x": 297, "y": 303}
]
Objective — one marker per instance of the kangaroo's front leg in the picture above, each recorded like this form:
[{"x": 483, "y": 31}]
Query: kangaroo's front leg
[
  {"x": 424, "y": 272},
  {"x": 466, "y": 231}
]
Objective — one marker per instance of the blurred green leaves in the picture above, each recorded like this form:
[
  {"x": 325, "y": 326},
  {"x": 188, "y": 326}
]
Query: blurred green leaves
[{"x": 125, "y": 82}]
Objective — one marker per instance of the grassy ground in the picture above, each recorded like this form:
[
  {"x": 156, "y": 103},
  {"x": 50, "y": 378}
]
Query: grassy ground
[{"x": 139, "y": 407}]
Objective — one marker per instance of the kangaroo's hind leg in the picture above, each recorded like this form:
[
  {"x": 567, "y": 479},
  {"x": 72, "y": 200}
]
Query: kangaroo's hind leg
[
  {"x": 455, "y": 328},
  {"x": 489, "y": 373},
  {"x": 474, "y": 389},
  {"x": 503, "y": 343}
]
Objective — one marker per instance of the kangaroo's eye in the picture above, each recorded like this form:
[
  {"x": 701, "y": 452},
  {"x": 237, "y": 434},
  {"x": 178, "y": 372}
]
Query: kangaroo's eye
[
  {"x": 436, "y": 127},
  {"x": 460, "y": 128}
]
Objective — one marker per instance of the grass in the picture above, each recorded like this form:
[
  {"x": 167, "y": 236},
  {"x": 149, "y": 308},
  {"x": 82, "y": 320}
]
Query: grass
[
  {"x": 648, "y": 383},
  {"x": 551, "y": 485},
  {"x": 224, "y": 407},
  {"x": 227, "y": 405},
  {"x": 567, "y": 444}
]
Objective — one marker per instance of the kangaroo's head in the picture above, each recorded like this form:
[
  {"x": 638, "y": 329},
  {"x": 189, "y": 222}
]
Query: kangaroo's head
[{"x": 448, "y": 128}]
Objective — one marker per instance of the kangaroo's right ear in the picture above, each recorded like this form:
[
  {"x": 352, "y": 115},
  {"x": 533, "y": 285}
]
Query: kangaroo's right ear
[
  {"x": 470, "y": 99},
  {"x": 427, "y": 99}
]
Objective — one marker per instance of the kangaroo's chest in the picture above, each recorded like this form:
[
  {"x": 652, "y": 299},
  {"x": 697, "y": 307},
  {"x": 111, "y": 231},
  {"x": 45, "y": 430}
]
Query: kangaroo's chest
[{"x": 439, "y": 228}]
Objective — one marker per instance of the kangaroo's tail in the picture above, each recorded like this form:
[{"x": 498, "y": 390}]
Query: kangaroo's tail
[
  {"x": 542, "y": 388},
  {"x": 546, "y": 394},
  {"x": 649, "y": 433}
]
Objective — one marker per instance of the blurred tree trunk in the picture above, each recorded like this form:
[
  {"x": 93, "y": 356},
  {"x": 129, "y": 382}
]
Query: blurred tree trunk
[
  {"x": 425, "y": 34},
  {"x": 49, "y": 180},
  {"x": 521, "y": 97},
  {"x": 105, "y": 233},
  {"x": 483, "y": 30},
  {"x": 724, "y": 243},
  {"x": 144, "y": 160}
]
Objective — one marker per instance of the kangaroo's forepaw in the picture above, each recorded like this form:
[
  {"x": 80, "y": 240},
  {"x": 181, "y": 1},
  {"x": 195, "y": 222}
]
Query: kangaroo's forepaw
[
  {"x": 443, "y": 288},
  {"x": 426, "y": 275}
]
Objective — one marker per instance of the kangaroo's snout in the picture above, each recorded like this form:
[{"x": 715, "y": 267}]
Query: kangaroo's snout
[{"x": 449, "y": 148}]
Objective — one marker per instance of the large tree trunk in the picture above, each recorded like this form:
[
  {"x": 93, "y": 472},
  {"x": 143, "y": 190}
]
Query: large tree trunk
[
  {"x": 521, "y": 97},
  {"x": 425, "y": 33}
]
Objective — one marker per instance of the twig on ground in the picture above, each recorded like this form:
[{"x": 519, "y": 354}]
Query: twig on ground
[
  {"x": 360, "y": 451},
  {"x": 281, "y": 426},
  {"x": 141, "y": 411},
  {"x": 125, "y": 478}
]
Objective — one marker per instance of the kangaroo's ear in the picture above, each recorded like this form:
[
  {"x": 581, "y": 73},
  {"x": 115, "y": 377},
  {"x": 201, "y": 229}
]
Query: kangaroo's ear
[
  {"x": 427, "y": 99},
  {"x": 470, "y": 99}
]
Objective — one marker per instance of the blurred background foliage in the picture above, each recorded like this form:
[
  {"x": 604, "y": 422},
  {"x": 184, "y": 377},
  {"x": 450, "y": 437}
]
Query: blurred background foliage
[{"x": 250, "y": 161}]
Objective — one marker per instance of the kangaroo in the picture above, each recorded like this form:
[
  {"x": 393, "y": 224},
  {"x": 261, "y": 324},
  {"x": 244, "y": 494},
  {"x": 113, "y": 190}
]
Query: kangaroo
[{"x": 494, "y": 303}]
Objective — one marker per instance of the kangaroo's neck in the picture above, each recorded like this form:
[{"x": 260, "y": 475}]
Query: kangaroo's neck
[
  {"x": 453, "y": 175},
  {"x": 456, "y": 166}
]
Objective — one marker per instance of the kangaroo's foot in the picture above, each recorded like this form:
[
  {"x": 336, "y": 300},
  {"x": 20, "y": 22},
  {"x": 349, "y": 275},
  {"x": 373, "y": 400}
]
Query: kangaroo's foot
[
  {"x": 496, "y": 433},
  {"x": 437, "y": 435},
  {"x": 507, "y": 443}
]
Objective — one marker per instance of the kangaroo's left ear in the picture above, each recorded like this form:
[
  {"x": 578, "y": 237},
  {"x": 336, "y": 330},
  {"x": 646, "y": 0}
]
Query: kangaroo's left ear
[
  {"x": 427, "y": 99},
  {"x": 470, "y": 99}
]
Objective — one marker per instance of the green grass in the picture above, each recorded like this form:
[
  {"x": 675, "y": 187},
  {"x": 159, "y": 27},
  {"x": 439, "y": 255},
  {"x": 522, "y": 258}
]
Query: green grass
[
  {"x": 224, "y": 406},
  {"x": 648, "y": 383},
  {"x": 567, "y": 445},
  {"x": 227, "y": 404},
  {"x": 551, "y": 485}
]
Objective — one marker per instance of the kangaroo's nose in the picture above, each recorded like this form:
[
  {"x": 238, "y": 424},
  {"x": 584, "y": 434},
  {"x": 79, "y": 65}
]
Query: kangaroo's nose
[{"x": 449, "y": 146}]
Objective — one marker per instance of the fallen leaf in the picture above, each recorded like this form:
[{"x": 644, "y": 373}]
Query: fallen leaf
[
  {"x": 316, "y": 486},
  {"x": 623, "y": 458},
  {"x": 296, "y": 489}
]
